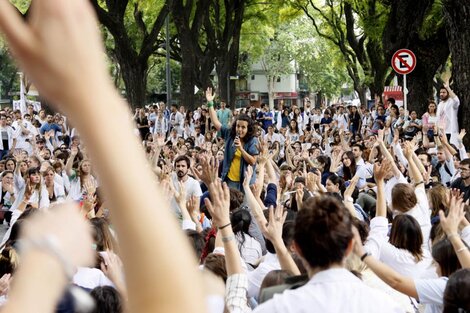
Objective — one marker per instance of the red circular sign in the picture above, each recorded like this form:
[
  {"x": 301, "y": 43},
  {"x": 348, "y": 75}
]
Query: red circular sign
[{"x": 404, "y": 61}]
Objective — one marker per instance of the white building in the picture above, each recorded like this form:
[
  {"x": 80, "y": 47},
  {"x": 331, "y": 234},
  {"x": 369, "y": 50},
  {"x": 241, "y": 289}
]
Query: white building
[{"x": 285, "y": 87}]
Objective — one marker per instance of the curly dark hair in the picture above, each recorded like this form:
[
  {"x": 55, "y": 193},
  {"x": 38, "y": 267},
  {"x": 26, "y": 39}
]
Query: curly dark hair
[
  {"x": 323, "y": 231},
  {"x": 251, "y": 131}
]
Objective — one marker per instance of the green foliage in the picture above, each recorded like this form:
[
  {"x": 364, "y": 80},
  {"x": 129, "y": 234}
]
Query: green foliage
[
  {"x": 371, "y": 17},
  {"x": 22, "y": 5},
  {"x": 433, "y": 20},
  {"x": 320, "y": 62},
  {"x": 157, "y": 76},
  {"x": 8, "y": 70}
]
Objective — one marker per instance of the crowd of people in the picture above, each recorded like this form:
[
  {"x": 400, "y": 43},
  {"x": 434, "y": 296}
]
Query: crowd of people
[{"x": 294, "y": 209}]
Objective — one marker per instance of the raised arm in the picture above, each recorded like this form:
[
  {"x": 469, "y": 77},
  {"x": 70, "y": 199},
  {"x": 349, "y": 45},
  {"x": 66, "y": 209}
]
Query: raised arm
[
  {"x": 415, "y": 173},
  {"x": 450, "y": 151},
  {"x": 380, "y": 171},
  {"x": 273, "y": 232},
  {"x": 386, "y": 153},
  {"x": 237, "y": 282},
  {"x": 69, "y": 164},
  {"x": 392, "y": 278},
  {"x": 210, "y": 104},
  {"x": 450, "y": 225},
  {"x": 66, "y": 32},
  {"x": 253, "y": 204}
]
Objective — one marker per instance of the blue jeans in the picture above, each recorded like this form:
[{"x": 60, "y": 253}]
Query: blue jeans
[{"x": 233, "y": 184}]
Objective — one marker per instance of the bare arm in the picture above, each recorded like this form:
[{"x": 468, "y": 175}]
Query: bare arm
[
  {"x": 273, "y": 232},
  {"x": 386, "y": 153},
  {"x": 412, "y": 167},
  {"x": 392, "y": 278},
  {"x": 213, "y": 114},
  {"x": 69, "y": 164},
  {"x": 450, "y": 225},
  {"x": 380, "y": 171},
  {"x": 450, "y": 151},
  {"x": 251, "y": 200},
  {"x": 56, "y": 37}
]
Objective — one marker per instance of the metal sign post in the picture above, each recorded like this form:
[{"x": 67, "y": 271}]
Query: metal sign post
[
  {"x": 404, "y": 62},
  {"x": 405, "y": 93}
]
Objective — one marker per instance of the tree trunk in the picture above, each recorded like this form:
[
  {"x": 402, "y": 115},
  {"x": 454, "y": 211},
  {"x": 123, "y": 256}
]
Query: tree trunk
[
  {"x": 271, "y": 91},
  {"x": 188, "y": 79},
  {"x": 223, "y": 75},
  {"x": 361, "y": 90},
  {"x": 457, "y": 16},
  {"x": 402, "y": 31},
  {"x": 134, "y": 75},
  {"x": 223, "y": 78}
]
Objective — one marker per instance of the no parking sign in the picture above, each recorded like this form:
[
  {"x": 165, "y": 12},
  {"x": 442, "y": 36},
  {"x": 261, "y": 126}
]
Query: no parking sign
[{"x": 404, "y": 62}]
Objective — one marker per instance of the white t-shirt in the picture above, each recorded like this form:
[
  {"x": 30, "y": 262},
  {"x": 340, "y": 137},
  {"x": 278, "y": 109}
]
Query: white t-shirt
[
  {"x": 192, "y": 189},
  {"x": 431, "y": 293},
  {"x": 401, "y": 260},
  {"x": 331, "y": 291},
  {"x": 255, "y": 277},
  {"x": 447, "y": 114},
  {"x": 422, "y": 214},
  {"x": 90, "y": 278},
  {"x": 389, "y": 186}
]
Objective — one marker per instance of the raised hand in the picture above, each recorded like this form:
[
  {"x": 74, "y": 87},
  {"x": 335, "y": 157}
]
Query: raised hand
[
  {"x": 17, "y": 155},
  {"x": 209, "y": 172},
  {"x": 381, "y": 170},
  {"x": 273, "y": 230},
  {"x": 248, "y": 175},
  {"x": 159, "y": 140},
  {"x": 40, "y": 50},
  {"x": 191, "y": 207},
  {"x": 462, "y": 134},
  {"x": 180, "y": 195},
  {"x": 113, "y": 268},
  {"x": 209, "y": 95},
  {"x": 264, "y": 155},
  {"x": 28, "y": 192},
  {"x": 450, "y": 223},
  {"x": 89, "y": 187},
  {"x": 352, "y": 185},
  {"x": 380, "y": 136},
  {"x": 408, "y": 151},
  {"x": 219, "y": 204}
]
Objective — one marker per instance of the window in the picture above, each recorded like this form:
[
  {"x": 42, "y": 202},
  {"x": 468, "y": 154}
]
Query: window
[
  {"x": 278, "y": 79},
  {"x": 252, "y": 77}
]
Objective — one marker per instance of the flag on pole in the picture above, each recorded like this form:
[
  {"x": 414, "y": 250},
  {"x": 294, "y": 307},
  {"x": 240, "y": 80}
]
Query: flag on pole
[{"x": 22, "y": 95}]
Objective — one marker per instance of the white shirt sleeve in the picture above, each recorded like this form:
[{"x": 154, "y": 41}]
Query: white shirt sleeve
[
  {"x": 377, "y": 236},
  {"x": 188, "y": 224},
  {"x": 431, "y": 291},
  {"x": 465, "y": 234},
  {"x": 399, "y": 153}
]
